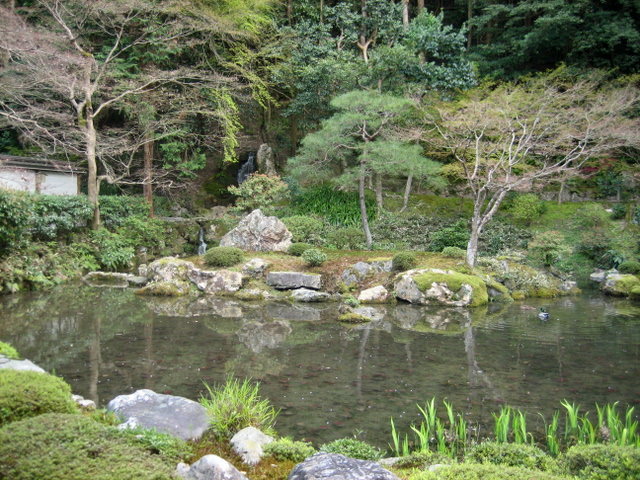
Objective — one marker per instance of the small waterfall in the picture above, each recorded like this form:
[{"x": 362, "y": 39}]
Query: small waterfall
[
  {"x": 247, "y": 168},
  {"x": 202, "y": 246}
]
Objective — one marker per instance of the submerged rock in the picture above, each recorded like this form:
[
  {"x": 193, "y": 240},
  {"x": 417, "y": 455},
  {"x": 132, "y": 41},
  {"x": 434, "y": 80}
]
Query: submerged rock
[
  {"x": 177, "y": 416},
  {"x": 333, "y": 466},
  {"x": 248, "y": 443},
  {"x": 292, "y": 280},
  {"x": 209, "y": 467},
  {"x": 259, "y": 233}
]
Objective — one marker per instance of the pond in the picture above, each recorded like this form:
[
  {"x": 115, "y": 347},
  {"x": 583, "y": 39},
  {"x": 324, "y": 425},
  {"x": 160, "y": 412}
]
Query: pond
[{"x": 330, "y": 380}]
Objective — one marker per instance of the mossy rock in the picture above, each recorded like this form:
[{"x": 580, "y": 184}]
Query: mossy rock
[
  {"x": 352, "y": 317},
  {"x": 471, "y": 471},
  {"x": 511, "y": 455},
  {"x": 518, "y": 295},
  {"x": 165, "y": 289},
  {"x": 497, "y": 292},
  {"x": 287, "y": 449},
  {"x": 8, "y": 351},
  {"x": 544, "y": 292},
  {"x": 635, "y": 293},
  {"x": 620, "y": 285},
  {"x": 74, "y": 447},
  {"x": 26, "y": 394},
  {"x": 454, "y": 282},
  {"x": 602, "y": 462}
]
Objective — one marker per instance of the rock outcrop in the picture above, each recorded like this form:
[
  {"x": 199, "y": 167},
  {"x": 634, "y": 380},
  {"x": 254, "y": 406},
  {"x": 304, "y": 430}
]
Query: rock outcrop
[
  {"x": 359, "y": 271},
  {"x": 333, "y": 466},
  {"x": 259, "y": 233},
  {"x": 177, "y": 416},
  {"x": 215, "y": 281},
  {"x": 293, "y": 280}
]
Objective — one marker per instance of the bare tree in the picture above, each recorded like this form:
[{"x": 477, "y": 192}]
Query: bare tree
[
  {"x": 509, "y": 137},
  {"x": 58, "y": 83}
]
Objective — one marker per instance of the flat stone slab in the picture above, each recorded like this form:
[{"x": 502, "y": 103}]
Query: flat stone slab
[
  {"x": 309, "y": 296},
  {"x": 333, "y": 466},
  {"x": 11, "y": 364},
  {"x": 293, "y": 280},
  {"x": 177, "y": 416}
]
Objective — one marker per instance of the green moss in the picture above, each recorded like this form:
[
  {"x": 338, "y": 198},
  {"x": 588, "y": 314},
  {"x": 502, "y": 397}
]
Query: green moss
[
  {"x": 165, "y": 289},
  {"x": 543, "y": 292},
  {"x": 26, "y": 394},
  {"x": 8, "y": 351},
  {"x": 470, "y": 471},
  {"x": 73, "y": 447},
  {"x": 511, "y": 455},
  {"x": 353, "y": 448},
  {"x": 422, "y": 460},
  {"x": 518, "y": 295},
  {"x": 602, "y": 462},
  {"x": 353, "y": 317},
  {"x": 491, "y": 283},
  {"x": 635, "y": 293},
  {"x": 622, "y": 285},
  {"x": 287, "y": 449},
  {"x": 454, "y": 282}
]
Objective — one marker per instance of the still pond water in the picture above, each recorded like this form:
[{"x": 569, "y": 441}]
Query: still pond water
[{"x": 331, "y": 380}]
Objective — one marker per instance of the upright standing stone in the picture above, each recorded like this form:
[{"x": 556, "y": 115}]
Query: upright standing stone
[{"x": 259, "y": 233}]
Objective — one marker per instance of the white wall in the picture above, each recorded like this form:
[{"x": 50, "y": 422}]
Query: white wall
[
  {"x": 51, "y": 183},
  {"x": 59, "y": 184},
  {"x": 18, "y": 179}
]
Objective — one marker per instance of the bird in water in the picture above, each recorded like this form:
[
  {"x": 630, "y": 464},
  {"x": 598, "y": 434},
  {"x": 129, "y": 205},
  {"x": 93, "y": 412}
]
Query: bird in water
[{"x": 543, "y": 314}]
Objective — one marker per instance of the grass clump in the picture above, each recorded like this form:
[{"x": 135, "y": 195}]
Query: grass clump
[
  {"x": 422, "y": 460},
  {"x": 297, "y": 249},
  {"x": 74, "y": 447},
  {"x": 353, "y": 448},
  {"x": 236, "y": 405},
  {"x": 314, "y": 257},
  {"x": 8, "y": 351},
  {"x": 510, "y": 454},
  {"x": 223, "y": 256},
  {"x": 26, "y": 394},
  {"x": 602, "y": 462},
  {"x": 470, "y": 471},
  {"x": 454, "y": 252},
  {"x": 288, "y": 449},
  {"x": 404, "y": 261}
]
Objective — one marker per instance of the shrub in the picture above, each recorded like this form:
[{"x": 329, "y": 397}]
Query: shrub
[
  {"x": 405, "y": 231},
  {"x": 526, "y": 208},
  {"x": 139, "y": 231},
  {"x": 112, "y": 251},
  {"x": 470, "y": 471},
  {"x": 501, "y": 236},
  {"x": 548, "y": 247},
  {"x": 422, "y": 460},
  {"x": 27, "y": 394},
  {"x": 287, "y": 449},
  {"x": 223, "y": 256},
  {"x": 454, "y": 252},
  {"x": 595, "y": 244},
  {"x": 314, "y": 257},
  {"x": 602, "y": 462},
  {"x": 337, "y": 206},
  {"x": 297, "y": 249},
  {"x": 55, "y": 216},
  {"x": 236, "y": 405},
  {"x": 345, "y": 238},
  {"x": 260, "y": 191},
  {"x": 14, "y": 218},
  {"x": 510, "y": 454},
  {"x": 8, "y": 351},
  {"x": 618, "y": 211},
  {"x": 353, "y": 448},
  {"x": 74, "y": 447},
  {"x": 456, "y": 235},
  {"x": 115, "y": 209},
  {"x": 592, "y": 215},
  {"x": 630, "y": 267},
  {"x": 304, "y": 229},
  {"x": 404, "y": 261}
]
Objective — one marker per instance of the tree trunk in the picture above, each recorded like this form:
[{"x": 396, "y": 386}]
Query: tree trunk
[
  {"x": 469, "y": 17},
  {"x": 363, "y": 207},
  {"x": 407, "y": 192},
  {"x": 92, "y": 169},
  {"x": 147, "y": 186},
  {"x": 379, "y": 202},
  {"x": 290, "y": 12},
  {"x": 472, "y": 246},
  {"x": 561, "y": 192},
  {"x": 420, "y": 6},
  {"x": 405, "y": 14}
]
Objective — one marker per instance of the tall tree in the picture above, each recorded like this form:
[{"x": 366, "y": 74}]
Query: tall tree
[{"x": 517, "y": 135}]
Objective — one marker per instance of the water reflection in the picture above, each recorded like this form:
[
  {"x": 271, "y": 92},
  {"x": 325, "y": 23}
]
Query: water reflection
[{"x": 331, "y": 379}]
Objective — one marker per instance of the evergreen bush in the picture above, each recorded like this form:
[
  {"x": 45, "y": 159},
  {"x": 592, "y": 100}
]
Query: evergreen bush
[
  {"x": 470, "y": 471},
  {"x": 345, "y": 238},
  {"x": 223, "y": 256},
  {"x": 454, "y": 252},
  {"x": 455, "y": 235},
  {"x": 618, "y": 211},
  {"x": 314, "y": 257},
  {"x": 510, "y": 454},
  {"x": 403, "y": 261},
  {"x": 602, "y": 462},
  {"x": 526, "y": 208},
  {"x": 353, "y": 448},
  {"x": 56, "y": 216},
  {"x": 304, "y": 229},
  {"x": 8, "y": 351},
  {"x": 26, "y": 394},
  {"x": 111, "y": 250},
  {"x": 548, "y": 247},
  {"x": 297, "y": 249},
  {"x": 260, "y": 191},
  {"x": 287, "y": 449},
  {"x": 14, "y": 219},
  {"x": 115, "y": 209},
  {"x": 74, "y": 447},
  {"x": 629, "y": 267}
]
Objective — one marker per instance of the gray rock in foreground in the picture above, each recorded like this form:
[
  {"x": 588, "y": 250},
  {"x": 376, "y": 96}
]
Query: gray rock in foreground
[
  {"x": 248, "y": 443},
  {"x": 209, "y": 467},
  {"x": 177, "y": 416},
  {"x": 259, "y": 233},
  {"x": 11, "y": 364},
  {"x": 333, "y": 466},
  {"x": 307, "y": 295},
  {"x": 291, "y": 280}
]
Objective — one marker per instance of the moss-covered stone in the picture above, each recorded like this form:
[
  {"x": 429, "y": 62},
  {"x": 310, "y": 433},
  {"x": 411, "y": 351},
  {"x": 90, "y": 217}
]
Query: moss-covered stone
[
  {"x": 544, "y": 292},
  {"x": 620, "y": 285},
  {"x": 518, "y": 295},
  {"x": 165, "y": 289},
  {"x": 26, "y": 394},
  {"x": 352, "y": 317},
  {"x": 74, "y": 447},
  {"x": 454, "y": 282},
  {"x": 635, "y": 293}
]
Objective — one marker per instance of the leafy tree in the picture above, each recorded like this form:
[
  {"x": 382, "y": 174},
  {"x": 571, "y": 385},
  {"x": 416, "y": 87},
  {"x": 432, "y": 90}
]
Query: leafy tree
[
  {"x": 357, "y": 142},
  {"x": 508, "y": 137}
]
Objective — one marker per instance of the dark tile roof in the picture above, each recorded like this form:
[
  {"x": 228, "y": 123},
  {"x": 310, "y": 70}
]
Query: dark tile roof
[{"x": 40, "y": 164}]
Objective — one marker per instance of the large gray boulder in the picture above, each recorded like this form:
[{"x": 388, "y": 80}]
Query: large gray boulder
[
  {"x": 11, "y": 364},
  {"x": 259, "y": 233},
  {"x": 169, "y": 269},
  {"x": 215, "y": 281},
  {"x": 209, "y": 467},
  {"x": 333, "y": 466},
  {"x": 177, "y": 416},
  {"x": 359, "y": 271},
  {"x": 292, "y": 280},
  {"x": 248, "y": 443},
  {"x": 306, "y": 295},
  {"x": 377, "y": 294},
  {"x": 265, "y": 160}
]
